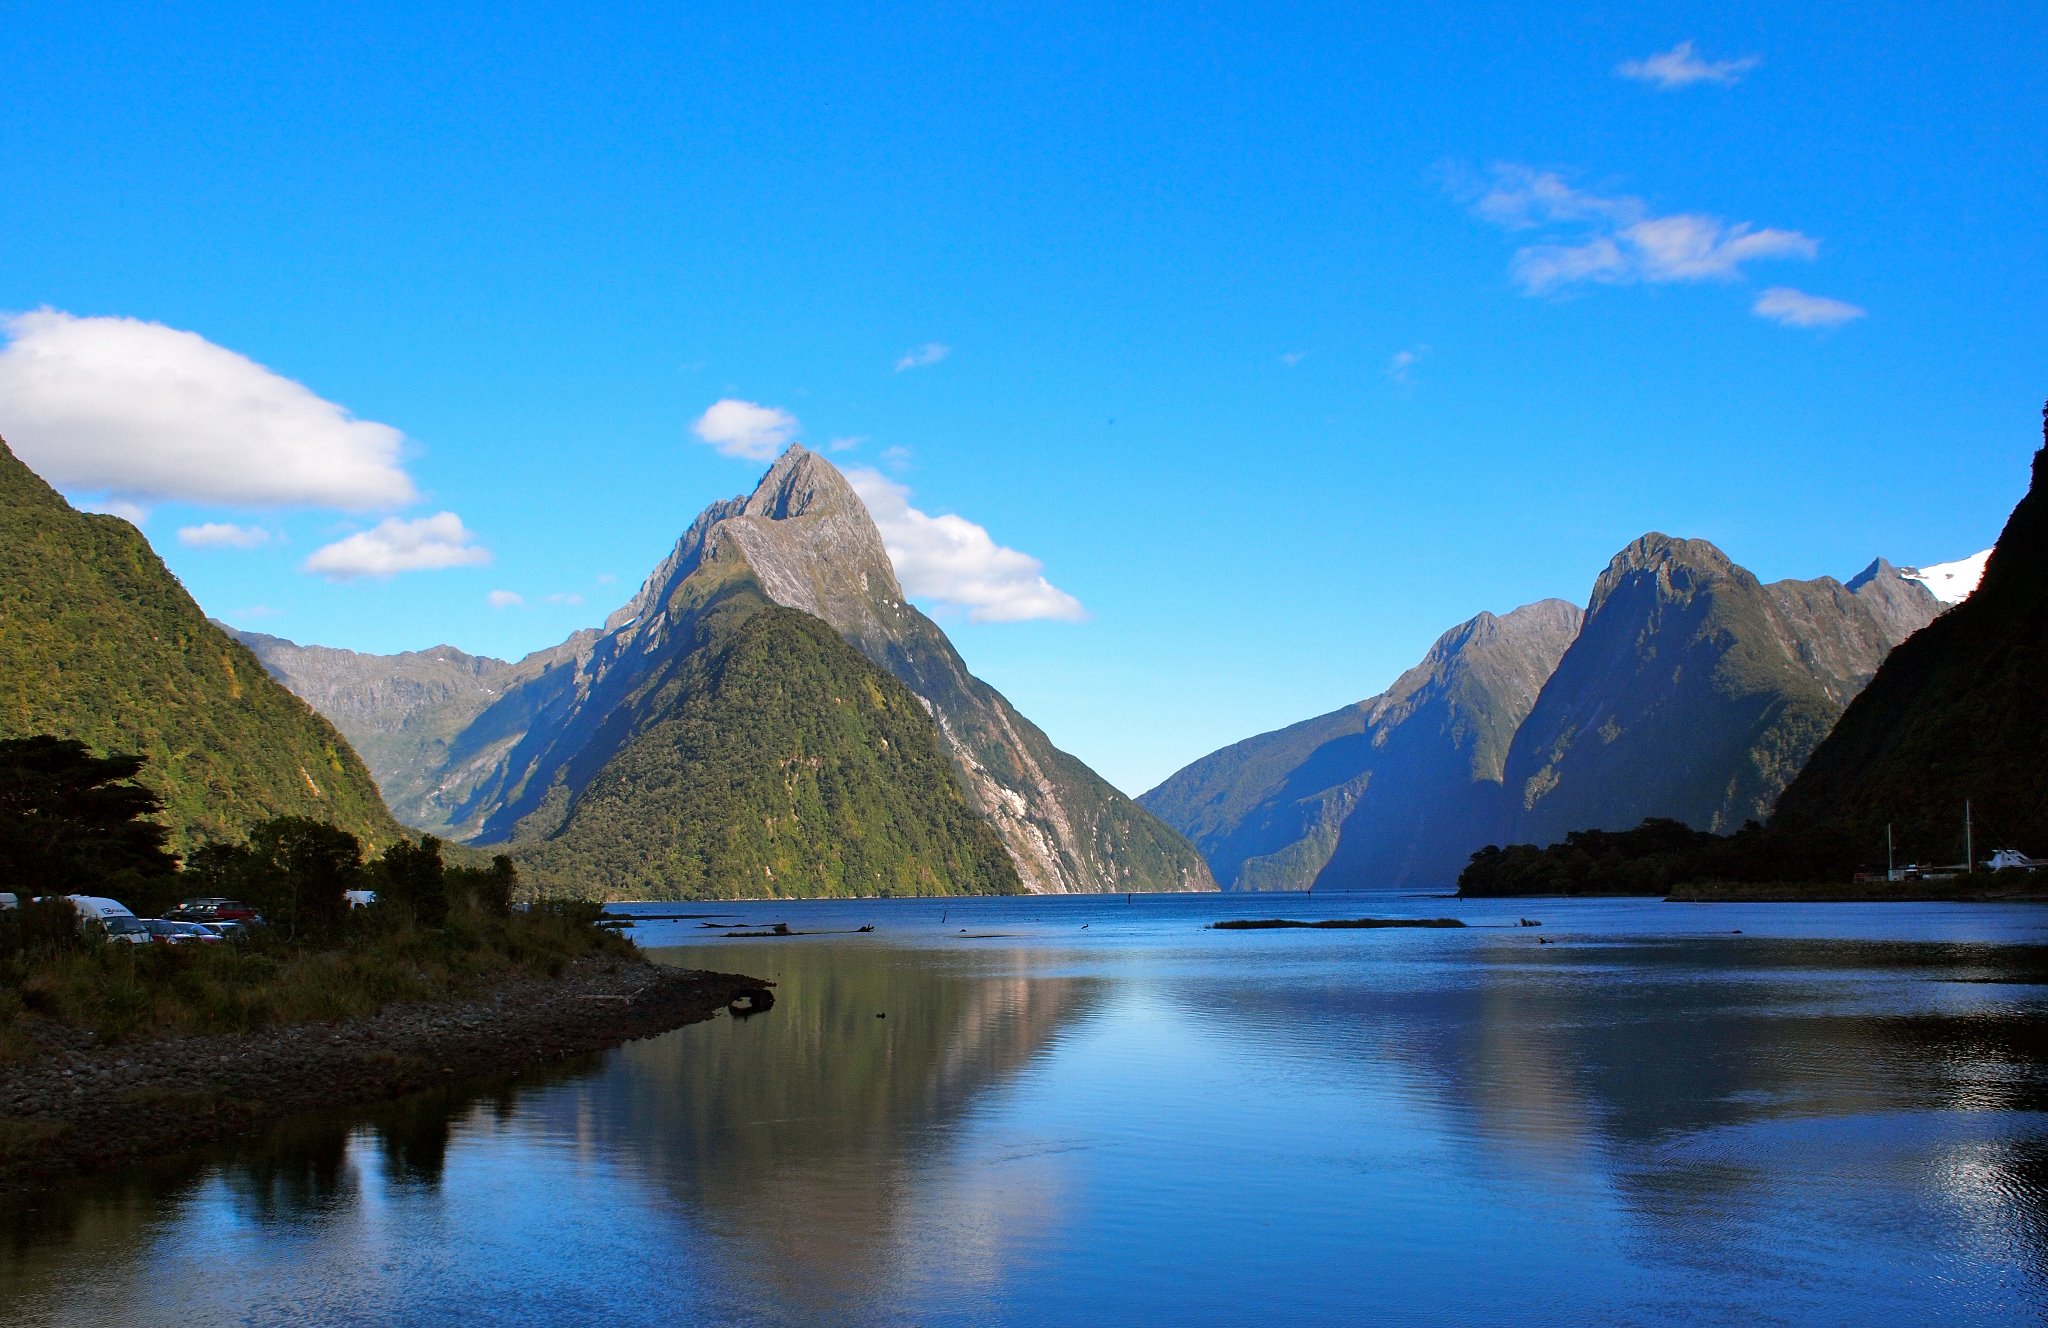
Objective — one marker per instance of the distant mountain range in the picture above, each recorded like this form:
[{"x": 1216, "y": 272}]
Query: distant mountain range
[
  {"x": 768, "y": 673},
  {"x": 1687, "y": 689},
  {"x": 99, "y": 643}
]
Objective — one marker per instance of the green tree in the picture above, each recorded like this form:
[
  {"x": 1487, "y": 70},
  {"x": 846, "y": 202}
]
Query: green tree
[
  {"x": 299, "y": 872},
  {"x": 411, "y": 877},
  {"x": 75, "y": 823}
]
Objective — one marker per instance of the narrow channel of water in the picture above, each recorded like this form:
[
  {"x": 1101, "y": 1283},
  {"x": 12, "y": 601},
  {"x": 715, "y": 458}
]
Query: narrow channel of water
[{"x": 1081, "y": 1110}]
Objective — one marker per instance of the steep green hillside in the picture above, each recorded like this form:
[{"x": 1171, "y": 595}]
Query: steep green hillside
[
  {"x": 99, "y": 642},
  {"x": 1959, "y": 712},
  {"x": 766, "y": 757}
]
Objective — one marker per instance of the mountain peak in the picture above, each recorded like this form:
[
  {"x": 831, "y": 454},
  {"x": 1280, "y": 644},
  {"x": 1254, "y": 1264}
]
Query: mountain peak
[
  {"x": 801, "y": 483},
  {"x": 1677, "y": 568}
]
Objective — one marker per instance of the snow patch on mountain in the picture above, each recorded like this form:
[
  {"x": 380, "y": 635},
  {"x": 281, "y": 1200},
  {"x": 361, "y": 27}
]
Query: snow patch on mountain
[{"x": 1950, "y": 582}]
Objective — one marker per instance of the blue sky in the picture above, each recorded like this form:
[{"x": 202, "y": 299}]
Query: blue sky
[{"x": 1282, "y": 336}]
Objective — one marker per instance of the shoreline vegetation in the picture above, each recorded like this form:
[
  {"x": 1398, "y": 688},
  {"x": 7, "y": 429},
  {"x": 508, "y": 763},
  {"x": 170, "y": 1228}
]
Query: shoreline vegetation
[
  {"x": 84, "y": 1107},
  {"x": 112, "y": 1053},
  {"x": 1667, "y": 859}
]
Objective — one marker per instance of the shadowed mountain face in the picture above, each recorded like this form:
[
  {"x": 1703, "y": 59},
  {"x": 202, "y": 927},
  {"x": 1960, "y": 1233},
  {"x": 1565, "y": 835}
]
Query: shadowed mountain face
[
  {"x": 1382, "y": 794},
  {"x": 1687, "y": 690},
  {"x": 99, "y": 642},
  {"x": 1955, "y": 714},
  {"x": 511, "y": 752},
  {"x": 1696, "y": 692}
]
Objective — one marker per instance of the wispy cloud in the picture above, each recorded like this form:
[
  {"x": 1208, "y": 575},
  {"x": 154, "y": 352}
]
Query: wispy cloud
[
  {"x": 918, "y": 357},
  {"x": 1616, "y": 239},
  {"x": 222, "y": 535},
  {"x": 956, "y": 562},
  {"x": 1680, "y": 68},
  {"x": 1401, "y": 368},
  {"x": 505, "y": 599},
  {"x": 1795, "y": 308},
  {"x": 565, "y": 597},
  {"x": 252, "y": 612},
  {"x": 397, "y": 545},
  {"x": 846, "y": 444},
  {"x": 1293, "y": 357},
  {"x": 897, "y": 459},
  {"x": 746, "y": 429},
  {"x": 146, "y": 412}
]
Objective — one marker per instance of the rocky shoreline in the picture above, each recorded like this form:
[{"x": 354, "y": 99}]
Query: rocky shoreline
[{"x": 80, "y": 1108}]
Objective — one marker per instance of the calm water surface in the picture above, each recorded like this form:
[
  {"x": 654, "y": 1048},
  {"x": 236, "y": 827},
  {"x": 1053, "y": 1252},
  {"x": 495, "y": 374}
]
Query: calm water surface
[{"x": 1093, "y": 1111}]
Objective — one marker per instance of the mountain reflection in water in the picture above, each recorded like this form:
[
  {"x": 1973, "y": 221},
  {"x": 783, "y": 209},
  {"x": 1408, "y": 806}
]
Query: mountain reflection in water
[{"x": 1834, "y": 1117}]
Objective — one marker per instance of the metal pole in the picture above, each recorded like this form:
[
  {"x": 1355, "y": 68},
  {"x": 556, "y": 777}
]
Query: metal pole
[{"x": 1969, "y": 848}]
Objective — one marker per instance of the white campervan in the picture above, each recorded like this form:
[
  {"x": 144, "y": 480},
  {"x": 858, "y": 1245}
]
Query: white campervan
[{"x": 110, "y": 918}]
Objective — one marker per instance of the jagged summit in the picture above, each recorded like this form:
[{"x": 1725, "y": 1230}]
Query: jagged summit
[{"x": 1676, "y": 568}]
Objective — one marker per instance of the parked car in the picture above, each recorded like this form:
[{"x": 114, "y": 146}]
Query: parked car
[
  {"x": 215, "y": 909},
  {"x": 120, "y": 929},
  {"x": 164, "y": 931}
]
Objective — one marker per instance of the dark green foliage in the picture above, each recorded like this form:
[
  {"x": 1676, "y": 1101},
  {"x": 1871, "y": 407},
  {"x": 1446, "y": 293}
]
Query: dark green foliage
[
  {"x": 99, "y": 642},
  {"x": 298, "y": 873},
  {"x": 1958, "y": 712},
  {"x": 488, "y": 890},
  {"x": 1657, "y": 857},
  {"x": 41, "y": 927},
  {"x": 769, "y": 759},
  {"x": 411, "y": 877},
  {"x": 75, "y": 823}
]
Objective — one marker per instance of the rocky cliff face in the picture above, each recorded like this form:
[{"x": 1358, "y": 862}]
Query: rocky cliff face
[
  {"x": 1388, "y": 793},
  {"x": 1695, "y": 692},
  {"x": 809, "y": 541},
  {"x": 502, "y": 752}
]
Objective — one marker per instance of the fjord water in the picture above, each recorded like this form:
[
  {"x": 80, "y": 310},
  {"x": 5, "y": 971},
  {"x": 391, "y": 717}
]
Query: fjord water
[{"x": 1096, "y": 1111}]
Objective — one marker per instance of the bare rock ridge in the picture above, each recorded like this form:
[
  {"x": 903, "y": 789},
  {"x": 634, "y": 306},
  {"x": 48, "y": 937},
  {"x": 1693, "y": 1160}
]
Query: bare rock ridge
[{"x": 503, "y": 752}]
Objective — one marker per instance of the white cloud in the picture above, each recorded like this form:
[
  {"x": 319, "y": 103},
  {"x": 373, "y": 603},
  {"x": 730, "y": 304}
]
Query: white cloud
[
  {"x": 1795, "y": 308},
  {"x": 505, "y": 599},
  {"x": 222, "y": 535},
  {"x": 1401, "y": 368},
  {"x": 133, "y": 513},
  {"x": 744, "y": 429},
  {"x": 147, "y": 412},
  {"x": 398, "y": 545},
  {"x": 917, "y": 357},
  {"x": 846, "y": 444},
  {"x": 1680, "y": 68},
  {"x": 565, "y": 597},
  {"x": 1619, "y": 240},
  {"x": 1293, "y": 357},
  {"x": 952, "y": 560},
  {"x": 607, "y": 578},
  {"x": 896, "y": 458}
]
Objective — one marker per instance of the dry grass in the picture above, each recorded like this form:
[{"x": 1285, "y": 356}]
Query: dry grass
[{"x": 128, "y": 993}]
